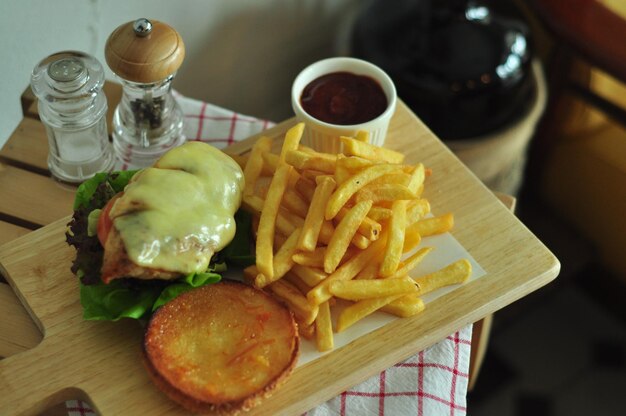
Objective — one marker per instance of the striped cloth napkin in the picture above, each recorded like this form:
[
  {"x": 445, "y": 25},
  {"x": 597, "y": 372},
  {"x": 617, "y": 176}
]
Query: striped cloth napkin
[{"x": 432, "y": 382}]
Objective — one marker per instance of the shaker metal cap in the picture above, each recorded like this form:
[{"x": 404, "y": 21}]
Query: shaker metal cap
[
  {"x": 66, "y": 69},
  {"x": 144, "y": 51},
  {"x": 142, "y": 27},
  {"x": 67, "y": 74}
]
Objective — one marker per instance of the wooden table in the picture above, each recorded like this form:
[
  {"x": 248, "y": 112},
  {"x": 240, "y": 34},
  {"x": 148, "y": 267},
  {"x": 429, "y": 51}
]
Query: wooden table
[{"x": 516, "y": 262}]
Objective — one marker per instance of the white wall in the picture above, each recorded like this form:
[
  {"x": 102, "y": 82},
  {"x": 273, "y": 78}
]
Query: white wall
[{"x": 240, "y": 54}]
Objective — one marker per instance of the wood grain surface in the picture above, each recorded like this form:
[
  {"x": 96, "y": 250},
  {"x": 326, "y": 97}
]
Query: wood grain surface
[
  {"x": 27, "y": 145},
  {"x": 24, "y": 333},
  {"x": 145, "y": 59},
  {"x": 10, "y": 231},
  {"x": 33, "y": 197},
  {"x": 99, "y": 361}
]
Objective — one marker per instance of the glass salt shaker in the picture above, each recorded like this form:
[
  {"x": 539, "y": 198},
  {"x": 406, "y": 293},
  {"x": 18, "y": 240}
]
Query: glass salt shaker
[
  {"x": 148, "y": 121},
  {"x": 72, "y": 107}
]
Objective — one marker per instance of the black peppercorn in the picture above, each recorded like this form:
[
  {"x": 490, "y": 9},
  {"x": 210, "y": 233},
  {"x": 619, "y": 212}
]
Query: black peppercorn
[{"x": 148, "y": 113}]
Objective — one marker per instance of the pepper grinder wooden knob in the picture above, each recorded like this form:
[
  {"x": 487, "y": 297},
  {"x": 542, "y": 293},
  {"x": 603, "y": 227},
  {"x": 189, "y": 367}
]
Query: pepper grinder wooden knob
[{"x": 144, "y": 51}]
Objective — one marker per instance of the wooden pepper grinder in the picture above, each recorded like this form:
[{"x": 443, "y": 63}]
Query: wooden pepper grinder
[{"x": 145, "y": 55}]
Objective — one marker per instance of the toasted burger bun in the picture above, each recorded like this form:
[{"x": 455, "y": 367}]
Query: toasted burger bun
[{"x": 221, "y": 348}]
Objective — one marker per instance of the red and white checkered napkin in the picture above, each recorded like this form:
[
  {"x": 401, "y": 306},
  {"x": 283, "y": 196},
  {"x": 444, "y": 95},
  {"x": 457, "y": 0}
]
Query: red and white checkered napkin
[
  {"x": 432, "y": 382},
  {"x": 215, "y": 125}
]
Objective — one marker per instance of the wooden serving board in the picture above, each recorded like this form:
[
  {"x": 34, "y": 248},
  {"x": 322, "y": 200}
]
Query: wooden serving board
[{"x": 99, "y": 362}]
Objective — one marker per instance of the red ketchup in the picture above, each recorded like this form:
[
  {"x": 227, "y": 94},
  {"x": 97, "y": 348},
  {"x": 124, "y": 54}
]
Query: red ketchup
[{"x": 344, "y": 98}]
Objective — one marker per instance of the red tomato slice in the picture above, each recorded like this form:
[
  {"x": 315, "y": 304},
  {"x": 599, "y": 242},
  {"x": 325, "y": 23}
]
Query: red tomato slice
[{"x": 104, "y": 222}]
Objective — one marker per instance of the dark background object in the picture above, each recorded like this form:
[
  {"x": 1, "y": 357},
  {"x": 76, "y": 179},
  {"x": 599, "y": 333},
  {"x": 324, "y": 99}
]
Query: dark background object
[{"x": 462, "y": 66}]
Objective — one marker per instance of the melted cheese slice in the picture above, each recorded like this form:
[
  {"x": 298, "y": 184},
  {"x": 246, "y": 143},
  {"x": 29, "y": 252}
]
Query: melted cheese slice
[{"x": 176, "y": 214}]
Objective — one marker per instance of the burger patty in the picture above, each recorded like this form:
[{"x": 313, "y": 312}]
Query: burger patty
[{"x": 117, "y": 265}]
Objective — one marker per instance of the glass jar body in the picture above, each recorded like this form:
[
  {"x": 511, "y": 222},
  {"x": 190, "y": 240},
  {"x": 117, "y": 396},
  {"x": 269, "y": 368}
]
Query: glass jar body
[
  {"x": 72, "y": 107},
  {"x": 147, "y": 122}
]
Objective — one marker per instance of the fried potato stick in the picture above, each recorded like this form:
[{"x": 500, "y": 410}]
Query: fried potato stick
[
  {"x": 343, "y": 234},
  {"x": 346, "y": 271},
  {"x": 395, "y": 244},
  {"x": 283, "y": 261},
  {"x": 292, "y": 140},
  {"x": 406, "y": 306},
  {"x": 385, "y": 192},
  {"x": 453, "y": 274},
  {"x": 313, "y": 258},
  {"x": 295, "y": 300},
  {"x": 369, "y": 151},
  {"x": 265, "y": 233},
  {"x": 324, "y": 328},
  {"x": 369, "y": 228},
  {"x": 432, "y": 226},
  {"x": 315, "y": 217},
  {"x": 319, "y": 161},
  {"x": 410, "y": 263},
  {"x": 372, "y": 288},
  {"x": 309, "y": 275},
  {"x": 254, "y": 166},
  {"x": 351, "y": 186},
  {"x": 362, "y": 136},
  {"x": 417, "y": 178},
  {"x": 359, "y": 310}
]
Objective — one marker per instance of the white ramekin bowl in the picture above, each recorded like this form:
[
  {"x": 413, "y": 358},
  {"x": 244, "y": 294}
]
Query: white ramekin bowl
[{"x": 324, "y": 137}]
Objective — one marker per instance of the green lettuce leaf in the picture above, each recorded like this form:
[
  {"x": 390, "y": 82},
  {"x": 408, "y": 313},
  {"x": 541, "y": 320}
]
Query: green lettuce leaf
[
  {"x": 185, "y": 284},
  {"x": 130, "y": 298},
  {"x": 201, "y": 279},
  {"x": 116, "y": 181},
  {"x": 116, "y": 300}
]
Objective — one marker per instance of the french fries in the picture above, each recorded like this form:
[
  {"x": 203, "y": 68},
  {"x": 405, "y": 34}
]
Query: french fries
[
  {"x": 368, "y": 289},
  {"x": 359, "y": 310},
  {"x": 349, "y": 187},
  {"x": 304, "y": 160},
  {"x": 344, "y": 233},
  {"x": 433, "y": 225},
  {"x": 292, "y": 140},
  {"x": 368, "y": 228},
  {"x": 417, "y": 178},
  {"x": 397, "y": 228},
  {"x": 282, "y": 262},
  {"x": 341, "y": 229},
  {"x": 385, "y": 192},
  {"x": 267, "y": 222},
  {"x": 362, "y": 136},
  {"x": 347, "y": 271},
  {"x": 410, "y": 263},
  {"x": 254, "y": 165},
  {"x": 315, "y": 217},
  {"x": 453, "y": 274},
  {"x": 313, "y": 258},
  {"x": 405, "y": 306},
  {"x": 291, "y": 295},
  {"x": 324, "y": 328},
  {"x": 309, "y": 275},
  {"x": 365, "y": 150}
]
